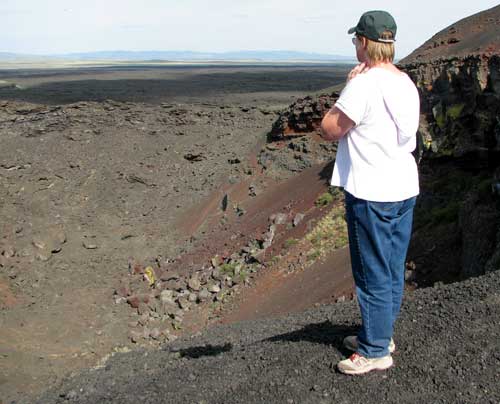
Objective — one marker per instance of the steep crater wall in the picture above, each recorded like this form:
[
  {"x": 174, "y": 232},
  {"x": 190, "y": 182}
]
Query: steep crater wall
[
  {"x": 460, "y": 107},
  {"x": 459, "y": 149},
  {"x": 457, "y": 220}
]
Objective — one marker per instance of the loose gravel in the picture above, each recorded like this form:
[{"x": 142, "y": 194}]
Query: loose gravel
[{"x": 448, "y": 351}]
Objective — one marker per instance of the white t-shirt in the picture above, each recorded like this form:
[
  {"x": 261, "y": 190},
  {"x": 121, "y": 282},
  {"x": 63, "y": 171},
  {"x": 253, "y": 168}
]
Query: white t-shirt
[{"x": 374, "y": 160}]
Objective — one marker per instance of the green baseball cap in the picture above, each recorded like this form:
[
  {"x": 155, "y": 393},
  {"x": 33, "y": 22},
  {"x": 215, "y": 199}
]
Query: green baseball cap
[{"x": 372, "y": 24}]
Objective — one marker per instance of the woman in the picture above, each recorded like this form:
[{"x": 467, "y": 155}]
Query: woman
[{"x": 375, "y": 121}]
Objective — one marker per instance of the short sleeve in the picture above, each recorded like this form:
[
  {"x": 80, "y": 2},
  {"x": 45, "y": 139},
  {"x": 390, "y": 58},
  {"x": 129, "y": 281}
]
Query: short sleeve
[{"x": 353, "y": 100}]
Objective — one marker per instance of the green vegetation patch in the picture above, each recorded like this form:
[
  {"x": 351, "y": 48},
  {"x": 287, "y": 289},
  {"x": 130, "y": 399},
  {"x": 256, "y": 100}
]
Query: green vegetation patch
[
  {"x": 454, "y": 111},
  {"x": 228, "y": 268},
  {"x": 484, "y": 188},
  {"x": 313, "y": 255},
  {"x": 445, "y": 214},
  {"x": 291, "y": 242},
  {"x": 324, "y": 199},
  {"x": 242, "y": 276},
  {"x": 439, "y": 115},
  {"x": 330, "y": 233},
  {"x": 443, "y": 114},
  {"x": 448, "y": 191},
  {"x": 274, "y": 260}
]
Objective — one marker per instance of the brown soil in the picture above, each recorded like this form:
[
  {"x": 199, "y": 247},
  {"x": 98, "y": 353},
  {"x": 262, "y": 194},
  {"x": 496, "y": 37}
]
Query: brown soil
[
  {"x": 294, "y": 195},
  {"x": 118, "y": 179},
  {"x": 278, "y": 293},
  {"x": 292, "y": 289},
  {"x": 57, "y": 309}
]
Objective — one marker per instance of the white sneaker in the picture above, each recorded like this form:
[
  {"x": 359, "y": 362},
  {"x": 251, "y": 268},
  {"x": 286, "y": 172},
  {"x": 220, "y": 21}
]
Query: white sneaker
[
  {"x": 358, "y": 365},
  {"x": 351, "y": 343}
]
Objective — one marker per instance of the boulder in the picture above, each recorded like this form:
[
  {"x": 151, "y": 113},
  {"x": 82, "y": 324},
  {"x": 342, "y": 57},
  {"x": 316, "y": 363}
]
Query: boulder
[
  {"x": 204, "y": 295},
  {"x": 169, "y": 308},
  {"x": 297, "y": 219},
  {"x": 278, "y": 218},
  {"x": 167, "y": 296},
  {"x": 194, "y": 282},
  {"x": 213, "y": 287},
  {"x": 184, "y": 303}
]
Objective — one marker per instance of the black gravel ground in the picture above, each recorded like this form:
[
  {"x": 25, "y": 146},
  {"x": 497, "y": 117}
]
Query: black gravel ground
[{"x": 448, "y": 351}]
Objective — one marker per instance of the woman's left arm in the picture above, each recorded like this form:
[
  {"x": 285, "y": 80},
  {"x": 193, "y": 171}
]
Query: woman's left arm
[{"x": 335, "y": 124}]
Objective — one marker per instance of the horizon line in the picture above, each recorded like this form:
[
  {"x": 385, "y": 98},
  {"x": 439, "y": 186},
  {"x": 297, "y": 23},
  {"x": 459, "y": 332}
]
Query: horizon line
[{"x": 69, "y": 53}]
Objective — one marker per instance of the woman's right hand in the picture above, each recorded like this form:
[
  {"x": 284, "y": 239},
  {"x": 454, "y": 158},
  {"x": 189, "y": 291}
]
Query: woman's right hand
[{"x": 359, "y": 69}]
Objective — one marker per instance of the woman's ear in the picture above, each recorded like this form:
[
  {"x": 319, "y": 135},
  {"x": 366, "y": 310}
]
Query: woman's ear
[{"x": 364, "y": 42}]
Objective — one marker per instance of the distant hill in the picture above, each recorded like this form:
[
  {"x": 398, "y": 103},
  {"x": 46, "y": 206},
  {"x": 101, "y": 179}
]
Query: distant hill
[
  {"x": 478, "y": 34},
  {"x": 8, "y": 57},
  {"x": 263, "y": 56}
]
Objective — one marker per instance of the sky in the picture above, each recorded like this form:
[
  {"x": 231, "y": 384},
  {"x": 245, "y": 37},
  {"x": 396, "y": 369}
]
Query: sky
[{"x": 320, "y": 26}]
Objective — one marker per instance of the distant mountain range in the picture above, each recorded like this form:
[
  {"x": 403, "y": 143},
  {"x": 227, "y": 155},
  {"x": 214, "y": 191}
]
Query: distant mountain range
[{"x": 261, "y": 56}]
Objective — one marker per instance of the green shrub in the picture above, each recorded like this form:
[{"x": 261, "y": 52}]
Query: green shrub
[
  {"x": 445, "y": 214},
  {"x": 228, "y": 268},
  {"x": 324, "y": 199},
  {"x": 313, "y": 255},
  {"x": 336, "y": 192},
  {"x": 242, "y": 276},
  {"x": 484, "y": 188},
  {"x": 290, "y": 242},
  {"x": 439, "y": 115},
  {"x": 275, "y": 259},
  {"x": 341, "y": 240},
  {"x": 454, "y": 111}
]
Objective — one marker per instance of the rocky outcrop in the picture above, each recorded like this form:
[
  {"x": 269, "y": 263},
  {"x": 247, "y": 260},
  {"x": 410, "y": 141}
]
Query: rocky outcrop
[
  {"x": 457, "y": 73},
  {"x": 303, "y": 116},
  {"x": 460, "y": 108},
  {"x": 293, "y": 143}
]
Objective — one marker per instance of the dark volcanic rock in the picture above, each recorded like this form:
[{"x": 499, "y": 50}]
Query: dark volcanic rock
[
  {"x": 460, "y": 106},
  {"x": 302, "y": 116},
  {"x": 293, "y": 142},
  {"x": 457, "y": 73},
  {"x": 448, "y": 351}
]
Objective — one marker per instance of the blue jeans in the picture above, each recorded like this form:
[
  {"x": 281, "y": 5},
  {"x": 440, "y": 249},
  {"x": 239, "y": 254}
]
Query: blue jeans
[{"x": 379, "y": 234}]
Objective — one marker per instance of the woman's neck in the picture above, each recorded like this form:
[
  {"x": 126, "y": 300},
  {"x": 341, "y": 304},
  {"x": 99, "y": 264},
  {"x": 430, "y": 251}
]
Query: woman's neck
[{"x": 383, "y": 65}]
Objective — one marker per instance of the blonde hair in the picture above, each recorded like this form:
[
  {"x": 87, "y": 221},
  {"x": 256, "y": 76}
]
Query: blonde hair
[{"x": 380, "y": 51}]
